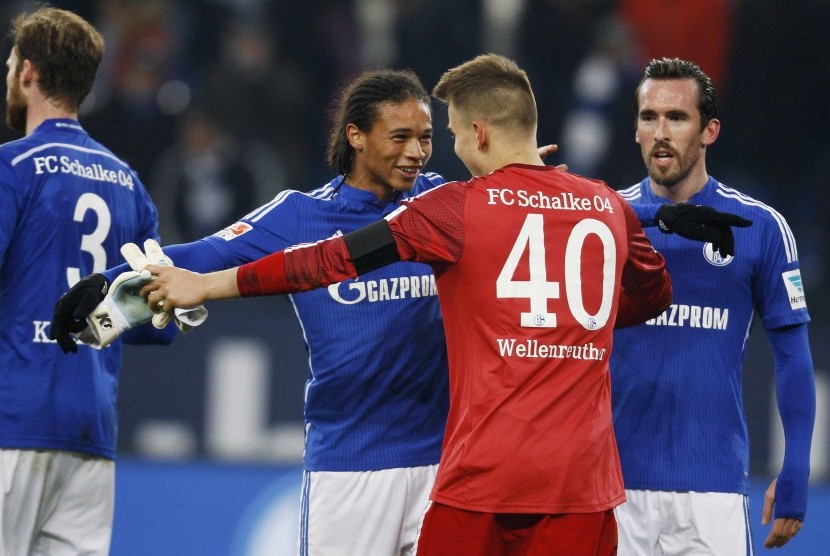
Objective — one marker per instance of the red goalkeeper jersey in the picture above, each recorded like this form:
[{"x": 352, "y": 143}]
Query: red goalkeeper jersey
[{"x": 532, "y": 266}]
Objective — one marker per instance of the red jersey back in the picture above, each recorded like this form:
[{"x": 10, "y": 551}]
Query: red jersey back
[{"x": 529, "y": 263}]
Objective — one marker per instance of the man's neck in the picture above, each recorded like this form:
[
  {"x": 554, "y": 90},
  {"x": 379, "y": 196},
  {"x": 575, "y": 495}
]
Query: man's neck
[
  {"x": 37, "y": 113},
  {"x": 501, "y": 157},
  {"x": 682, "y": 191},
  {"x": 383, "y": 193}
]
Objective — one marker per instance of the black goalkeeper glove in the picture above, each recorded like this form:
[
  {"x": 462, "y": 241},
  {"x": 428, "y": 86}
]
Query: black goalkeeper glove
[
  {"x": 701, "y": 223},
  {"x": 72, "y": 309}
]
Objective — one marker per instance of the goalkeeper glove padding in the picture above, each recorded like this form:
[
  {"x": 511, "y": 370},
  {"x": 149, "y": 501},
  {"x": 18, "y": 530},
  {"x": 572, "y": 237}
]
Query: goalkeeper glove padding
[
  {"x": 701, "y": 223},
  {"x": 122, "y": 309}
]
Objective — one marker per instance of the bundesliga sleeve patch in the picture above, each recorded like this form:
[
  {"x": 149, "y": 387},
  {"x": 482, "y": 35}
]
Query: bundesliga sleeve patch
[
  {"x": 234, "y": 230},
  {"x": 795, "y": 289}
]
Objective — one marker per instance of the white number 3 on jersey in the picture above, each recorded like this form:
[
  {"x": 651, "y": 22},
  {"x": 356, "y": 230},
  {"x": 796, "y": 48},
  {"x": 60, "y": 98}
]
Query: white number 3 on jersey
[{"x": 92, "y": 243}]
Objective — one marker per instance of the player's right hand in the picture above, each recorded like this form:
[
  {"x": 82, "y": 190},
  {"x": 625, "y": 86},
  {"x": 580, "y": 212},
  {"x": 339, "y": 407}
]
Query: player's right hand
[
  {"x": 783, "y": 528},
  {"x": 73, "y": 307}
]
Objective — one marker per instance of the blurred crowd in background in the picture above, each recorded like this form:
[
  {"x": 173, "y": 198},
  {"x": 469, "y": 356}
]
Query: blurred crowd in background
[{"x": 220, "y": 104}]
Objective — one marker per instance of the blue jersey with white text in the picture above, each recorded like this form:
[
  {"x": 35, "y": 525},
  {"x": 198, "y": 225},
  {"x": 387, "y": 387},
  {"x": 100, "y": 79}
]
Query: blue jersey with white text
[
  {"x": 676, "y": 380},
  {"x": 377, "y": 393},
  {"x": 67, "y": 204}
]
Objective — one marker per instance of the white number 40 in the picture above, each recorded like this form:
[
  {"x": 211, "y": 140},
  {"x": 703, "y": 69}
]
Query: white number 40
[{"x": 538, "y": 290}]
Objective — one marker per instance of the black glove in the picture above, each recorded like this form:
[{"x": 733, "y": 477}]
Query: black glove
[
  {"x": 701, "y": 223},
  {"x": 74, "y": 307}
]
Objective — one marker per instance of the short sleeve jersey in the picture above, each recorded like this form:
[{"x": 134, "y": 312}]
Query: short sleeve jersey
[
  {"x": 377, "y": 395},
  {"x": 678, "y": 408},
  {"x": 528, "y": 262},
  {"x": 67, "y": 204}
]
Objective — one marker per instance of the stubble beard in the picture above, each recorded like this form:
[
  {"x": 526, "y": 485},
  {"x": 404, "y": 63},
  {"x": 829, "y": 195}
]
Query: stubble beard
[{"x": 667, "y": 179}]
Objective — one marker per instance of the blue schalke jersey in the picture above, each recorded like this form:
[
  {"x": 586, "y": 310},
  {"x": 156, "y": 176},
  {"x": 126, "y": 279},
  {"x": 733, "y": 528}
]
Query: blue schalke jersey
[
  {"x": 377, "y": 393},
  {"x": 676, "y": 380},
  {"x": 67, "y": 204}
]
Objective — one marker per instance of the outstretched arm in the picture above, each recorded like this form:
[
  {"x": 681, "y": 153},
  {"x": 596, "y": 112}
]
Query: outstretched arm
[
  {"x": 310, "y": 266},
  {"x": 177, "y": 287}
]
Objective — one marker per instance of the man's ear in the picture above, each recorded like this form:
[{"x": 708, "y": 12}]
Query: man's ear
[
  {"x": 354, "y": 136},
  {"x": 710, "y": 132},
  {"x": 28, "y": 73},
  {"x": 481, "y": 134}
]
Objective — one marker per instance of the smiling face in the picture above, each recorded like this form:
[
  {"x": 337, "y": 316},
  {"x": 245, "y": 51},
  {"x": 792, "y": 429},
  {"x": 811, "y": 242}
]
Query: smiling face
[
  {"x": 15, "y": 100},
  {"x": 390, "y": 156},
  {"x": 669, "y": 133}
]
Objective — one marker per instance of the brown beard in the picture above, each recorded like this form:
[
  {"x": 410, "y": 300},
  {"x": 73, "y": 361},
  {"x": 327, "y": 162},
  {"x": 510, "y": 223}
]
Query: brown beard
[{"x": 16, "y": 109}]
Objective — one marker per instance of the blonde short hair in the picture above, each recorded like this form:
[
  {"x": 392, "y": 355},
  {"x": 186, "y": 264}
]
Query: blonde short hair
[{"x": 490, "y": 87}]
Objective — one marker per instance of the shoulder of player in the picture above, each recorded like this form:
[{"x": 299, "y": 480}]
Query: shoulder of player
[
  {"x": 428, "y": 180},
  {"x": 425, "y": 183},
  {"x": 289, "y": 206},
  {"x": 767, "y": 223},
  {"x": 12, "y": 149},
  {"x": 632, "y": 193},
  {"x": 12, "y": 152},
  {"x": 736, "y": 202},
  {"x": 6, "y": 156},
  {"x": 42, "y": 144}
]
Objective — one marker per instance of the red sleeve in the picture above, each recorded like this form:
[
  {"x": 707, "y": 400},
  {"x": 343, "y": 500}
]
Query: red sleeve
[
  {"x": 427, "y": 229},
  {"x": 430, "y": 227},
  {"x": 646, "y": 284},
  {"x": 297, "y": 269}
]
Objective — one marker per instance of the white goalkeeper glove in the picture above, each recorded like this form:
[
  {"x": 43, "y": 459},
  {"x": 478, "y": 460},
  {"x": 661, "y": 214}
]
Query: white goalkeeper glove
[
  {"x": 122, "y": 309},
  {"x": 185, "y": 318}
]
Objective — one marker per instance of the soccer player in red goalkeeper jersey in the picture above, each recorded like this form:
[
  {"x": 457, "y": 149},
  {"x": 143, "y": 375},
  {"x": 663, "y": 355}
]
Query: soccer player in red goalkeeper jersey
[{"x": 534, "y": 268}]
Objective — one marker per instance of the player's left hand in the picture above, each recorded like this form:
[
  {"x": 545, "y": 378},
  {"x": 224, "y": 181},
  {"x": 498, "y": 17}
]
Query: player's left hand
[
  {"x": 548, "y": 150},
  {"x": 783, "y": 528},
  {"x": 173, "y": 287},
  {"x": 701, "y": 223}
]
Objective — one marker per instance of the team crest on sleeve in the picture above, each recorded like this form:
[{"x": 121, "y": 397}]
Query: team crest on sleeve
[
  {"x": 715, "y": 258},
  {"x": 795, "y": 289},
  {"x": 234, "y": 230}
]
